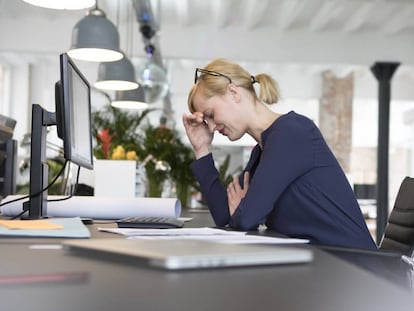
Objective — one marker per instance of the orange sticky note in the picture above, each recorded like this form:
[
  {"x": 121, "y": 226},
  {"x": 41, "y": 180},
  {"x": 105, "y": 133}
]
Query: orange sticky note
[{"x": 30, "y": 224}]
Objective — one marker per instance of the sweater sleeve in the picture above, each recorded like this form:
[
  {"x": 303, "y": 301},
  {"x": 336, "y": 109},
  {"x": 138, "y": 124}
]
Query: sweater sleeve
[
  {"x": 287, "y": 154},
  {"x": 213, "y": 190}
]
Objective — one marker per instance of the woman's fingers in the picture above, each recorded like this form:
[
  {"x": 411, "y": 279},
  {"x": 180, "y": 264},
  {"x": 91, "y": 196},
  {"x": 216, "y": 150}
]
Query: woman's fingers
[
  {"x": 246, "y": 180},
  {"x": 193, "y": 119},
  {"x": 236, "y": 184},
  {"x": 235, "y": 193}
]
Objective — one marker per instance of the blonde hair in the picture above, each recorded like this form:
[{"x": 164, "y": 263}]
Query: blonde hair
[{"x": 211, "y": 85}]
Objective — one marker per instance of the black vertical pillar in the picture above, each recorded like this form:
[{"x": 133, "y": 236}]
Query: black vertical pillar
[{"x": 383, "y": 71}]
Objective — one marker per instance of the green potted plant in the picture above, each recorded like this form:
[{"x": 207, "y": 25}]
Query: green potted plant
[
  {"x": 164, "y": 145},
  {"x": 113, "y": 127}
]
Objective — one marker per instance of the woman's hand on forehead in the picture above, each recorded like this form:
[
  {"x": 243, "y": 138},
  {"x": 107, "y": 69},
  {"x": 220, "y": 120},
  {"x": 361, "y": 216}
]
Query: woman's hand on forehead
[{"x": 195, "y": 118}]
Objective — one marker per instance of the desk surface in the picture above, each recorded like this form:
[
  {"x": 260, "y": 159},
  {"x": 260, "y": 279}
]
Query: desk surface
[{"x": 55, "y": 279}]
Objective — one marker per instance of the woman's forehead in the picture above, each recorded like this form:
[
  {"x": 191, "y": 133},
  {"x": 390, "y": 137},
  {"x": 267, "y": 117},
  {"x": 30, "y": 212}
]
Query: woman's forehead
[{"x": 201, "y": 102}]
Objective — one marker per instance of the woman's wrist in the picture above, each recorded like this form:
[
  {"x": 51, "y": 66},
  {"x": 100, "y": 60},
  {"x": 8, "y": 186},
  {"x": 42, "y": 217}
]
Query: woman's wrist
[{"x": 202, "y": 152}]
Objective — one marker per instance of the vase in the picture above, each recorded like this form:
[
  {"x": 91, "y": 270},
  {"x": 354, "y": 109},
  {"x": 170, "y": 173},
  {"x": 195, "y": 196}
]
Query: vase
[
  {"x": 155, "y": 181},
  {"x": 183, "y": 194},
  {"x": 154, "y": 188},
  {"x": 115, "y": 178}
]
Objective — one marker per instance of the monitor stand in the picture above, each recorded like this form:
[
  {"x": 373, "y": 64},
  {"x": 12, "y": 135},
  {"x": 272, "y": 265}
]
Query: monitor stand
[{"x": 37, "y": 203}]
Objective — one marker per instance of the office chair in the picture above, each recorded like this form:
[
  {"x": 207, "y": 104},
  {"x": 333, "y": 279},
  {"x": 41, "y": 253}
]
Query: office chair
[{"x": 399, "y": 232}]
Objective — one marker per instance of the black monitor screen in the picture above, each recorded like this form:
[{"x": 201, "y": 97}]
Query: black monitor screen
[
  {"x": 73, "y": 121},
  {"x": 73, "y": 114}
]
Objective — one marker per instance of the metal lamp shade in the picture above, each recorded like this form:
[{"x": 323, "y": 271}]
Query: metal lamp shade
[
  {"x": 119, "y": 75},
  {"x": 95, "y": 38},
  {"x": 63, "y": 4},
  {"x": 153, "y": 79},
  {"x": 134, "y": 99}
]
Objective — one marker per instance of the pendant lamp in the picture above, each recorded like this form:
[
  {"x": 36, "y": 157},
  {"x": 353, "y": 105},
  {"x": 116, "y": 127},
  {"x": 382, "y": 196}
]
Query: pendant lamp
[
  {"x": 153, "y": 79},
  {"x": 133, "y": 99},
  {"x": 118, "y": 75},
  {"x": 62, "y": 4},
  {"x": 95, "y": 38}
]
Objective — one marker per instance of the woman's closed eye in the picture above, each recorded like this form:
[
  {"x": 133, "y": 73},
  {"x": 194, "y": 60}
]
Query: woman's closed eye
[{"x": 207, "y": 117}]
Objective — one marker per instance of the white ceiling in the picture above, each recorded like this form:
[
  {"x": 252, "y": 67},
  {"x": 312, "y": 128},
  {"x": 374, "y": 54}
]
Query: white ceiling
[
  {"x": 310, "y": 31},
  {"x": 303, "y": 36}
]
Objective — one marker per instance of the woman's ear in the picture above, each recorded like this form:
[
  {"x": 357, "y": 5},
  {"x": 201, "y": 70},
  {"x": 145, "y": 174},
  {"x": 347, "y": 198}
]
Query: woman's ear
[{"x": 234, "y": 92}]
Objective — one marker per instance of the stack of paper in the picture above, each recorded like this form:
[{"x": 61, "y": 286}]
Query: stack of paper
[
  {"x": 207, "y": 234},
  {"x": 53, "y": 227}
]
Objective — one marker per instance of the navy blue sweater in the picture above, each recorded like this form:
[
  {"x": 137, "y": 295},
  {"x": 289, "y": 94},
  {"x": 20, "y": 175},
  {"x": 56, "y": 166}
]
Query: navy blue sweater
[{"x": 297, "y": 188}]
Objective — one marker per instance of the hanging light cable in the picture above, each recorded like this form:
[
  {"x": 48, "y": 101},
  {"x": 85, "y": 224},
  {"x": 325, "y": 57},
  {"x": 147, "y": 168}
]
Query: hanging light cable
[
  {"x": 132, "y": 99},
  {"x": 151, "y": 74},
  {"x": 152, "y": 77}
]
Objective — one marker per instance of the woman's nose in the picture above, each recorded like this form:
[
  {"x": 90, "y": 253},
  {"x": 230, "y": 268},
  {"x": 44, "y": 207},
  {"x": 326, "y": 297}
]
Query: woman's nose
[{"x": 211, "y": 125}]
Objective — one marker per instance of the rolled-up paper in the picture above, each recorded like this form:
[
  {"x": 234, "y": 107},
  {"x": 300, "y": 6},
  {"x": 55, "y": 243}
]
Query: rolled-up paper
[{"x": 101, "y": 207}]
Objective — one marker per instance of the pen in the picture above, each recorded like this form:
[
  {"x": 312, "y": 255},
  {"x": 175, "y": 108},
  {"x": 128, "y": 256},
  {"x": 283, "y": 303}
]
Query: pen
[{"x": 59, "y": 277}]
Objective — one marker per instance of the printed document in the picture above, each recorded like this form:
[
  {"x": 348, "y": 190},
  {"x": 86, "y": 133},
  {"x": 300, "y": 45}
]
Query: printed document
[{"x": 206, "y": 234}]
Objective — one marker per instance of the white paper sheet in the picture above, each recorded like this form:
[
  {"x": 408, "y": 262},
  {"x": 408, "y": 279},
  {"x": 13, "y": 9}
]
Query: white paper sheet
[
  {"x": 228, "y": 239},
  {"x": 101, "y": 207},
  {"x": 206, "y": 234},
  {"x": 171, "y": 232}
]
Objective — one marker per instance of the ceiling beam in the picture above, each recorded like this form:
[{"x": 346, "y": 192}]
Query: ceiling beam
[
  {"x": 328, "y": 12},
  {"x": 360, "y": 16},
  {"x": 289, "y": 11},
  {"x": 254, "y": 12},
  {"x": 399, "y": 21},
  {"x": 222, "y": 11},
  {"x": 183, "y": 12}
]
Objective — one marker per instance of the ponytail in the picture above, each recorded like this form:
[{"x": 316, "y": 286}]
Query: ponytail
[{"x": 269, "y": 90}]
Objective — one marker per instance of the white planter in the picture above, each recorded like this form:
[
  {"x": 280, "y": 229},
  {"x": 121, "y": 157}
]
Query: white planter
[{"x": 115, "y": 178}]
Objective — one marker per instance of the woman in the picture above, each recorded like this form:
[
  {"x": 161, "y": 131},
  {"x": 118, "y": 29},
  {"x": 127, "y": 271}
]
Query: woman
[{"x": 292, "y": 183}]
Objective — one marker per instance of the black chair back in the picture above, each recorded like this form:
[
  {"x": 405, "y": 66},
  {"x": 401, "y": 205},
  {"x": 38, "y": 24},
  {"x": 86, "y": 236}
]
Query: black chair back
[{"x": 399, "y": 232}]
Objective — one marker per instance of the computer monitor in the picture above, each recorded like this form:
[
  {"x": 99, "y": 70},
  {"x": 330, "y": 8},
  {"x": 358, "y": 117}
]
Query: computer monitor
[
  {"x": 8, "y": 156},
  {"x": 73, "y": 113},
  {"x": 73, "y": 120},
  {"x": 8, "y": 167}
]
